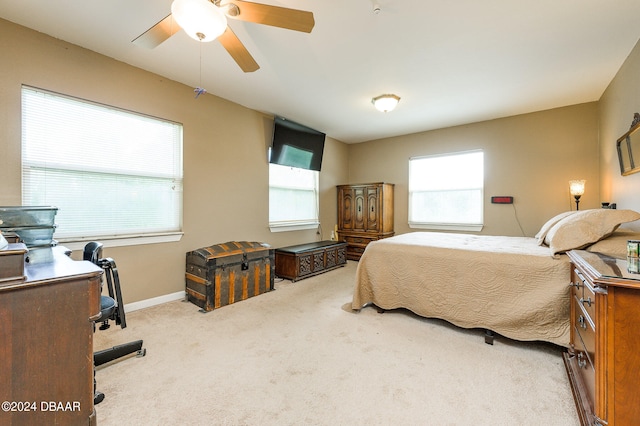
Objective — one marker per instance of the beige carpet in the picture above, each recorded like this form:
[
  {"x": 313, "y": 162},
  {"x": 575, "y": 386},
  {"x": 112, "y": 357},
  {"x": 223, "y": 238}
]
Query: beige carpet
[{"x": 300, "y": 356}]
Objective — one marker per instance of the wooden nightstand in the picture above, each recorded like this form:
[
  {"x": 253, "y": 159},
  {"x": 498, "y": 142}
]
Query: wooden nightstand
[{"x": 603, "y": 362}]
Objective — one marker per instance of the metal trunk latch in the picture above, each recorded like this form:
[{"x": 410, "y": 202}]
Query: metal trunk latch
[{"x": 245, "y": 262}]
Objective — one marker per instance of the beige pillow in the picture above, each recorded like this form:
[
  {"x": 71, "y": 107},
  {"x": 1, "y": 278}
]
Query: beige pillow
[
  {"x": 549, "y": 224},
  {"x": 615, "y": 245},
  {"x": 586, "y": 227}
]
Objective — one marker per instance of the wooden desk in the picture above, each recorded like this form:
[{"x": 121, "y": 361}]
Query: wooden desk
[{"x": 46, "y": 342}]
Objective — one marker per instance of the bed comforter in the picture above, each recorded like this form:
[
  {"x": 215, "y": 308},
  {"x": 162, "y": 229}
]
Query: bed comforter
[{"x": 509, "y": 285}]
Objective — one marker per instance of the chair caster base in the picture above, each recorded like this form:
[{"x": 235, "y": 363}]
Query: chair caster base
[
  {"x": 116, "y": 352},
  {"x": 488, "y": 337}
]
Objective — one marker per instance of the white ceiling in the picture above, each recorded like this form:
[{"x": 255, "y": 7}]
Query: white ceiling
[{"x": 451, "y": 61}]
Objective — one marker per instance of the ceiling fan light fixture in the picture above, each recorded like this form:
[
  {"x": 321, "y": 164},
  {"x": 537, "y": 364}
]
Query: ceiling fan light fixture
[
  {"x": 385, "y": 103},
  {"x": 200, "y": 19}
]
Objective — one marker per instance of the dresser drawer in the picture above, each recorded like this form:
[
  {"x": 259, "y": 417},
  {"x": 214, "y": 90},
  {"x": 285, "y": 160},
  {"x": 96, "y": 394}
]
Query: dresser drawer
[
  {"x": 588, "y": 302},
  {"x": 577, "y": 284},
  {"x": 359, "y": 240},
  {"x": 587, "y": 374},
  {"x": 354, "y": 252},
  {"x": 585, "y": 329},
  {"x": 585, "y": 345},
  {"x": 582, "y": 292}
]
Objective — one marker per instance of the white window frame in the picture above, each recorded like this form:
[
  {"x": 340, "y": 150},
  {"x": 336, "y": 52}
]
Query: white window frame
[
  {"x": 292, "y": 185},
  {"x": 45, "y": 165},
  {"x": 447, "y": 181}
]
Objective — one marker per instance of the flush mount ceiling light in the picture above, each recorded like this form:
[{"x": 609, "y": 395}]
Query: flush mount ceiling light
[
  {"x": 200, "y": 19},
  {"x": 385, "y": 103}
]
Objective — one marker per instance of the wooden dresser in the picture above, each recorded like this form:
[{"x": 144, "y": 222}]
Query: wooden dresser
[
  {"x": 46, "y": 341},
  {"x": 365, "y": 214},
  {"x": 603, "y": 362}
]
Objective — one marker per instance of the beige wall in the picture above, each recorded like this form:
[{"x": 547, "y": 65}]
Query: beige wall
[
  {"x": 530, "y": 157},
  {"x": 225, "y": 167},
  {"x": 617, "y": 106}
]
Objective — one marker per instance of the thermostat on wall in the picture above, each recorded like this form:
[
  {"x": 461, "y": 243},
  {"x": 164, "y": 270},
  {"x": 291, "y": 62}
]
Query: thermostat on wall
[{"x": 502, "y": 200}]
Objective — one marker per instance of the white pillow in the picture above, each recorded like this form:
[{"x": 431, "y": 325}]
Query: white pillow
[
  {"x": 615, "y": 245},
  {"x": 586, "y": 227},
  {"x": 542, "y": 233}
]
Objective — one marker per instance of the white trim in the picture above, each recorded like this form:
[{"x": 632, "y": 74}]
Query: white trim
[
  {"x": 293, "y": 227},
  {"x": 130, "y": 307},
  {"x": 447, "y": 154},
  {"x": 133, "y": 240},
  {"x": 448, "y": 227}
]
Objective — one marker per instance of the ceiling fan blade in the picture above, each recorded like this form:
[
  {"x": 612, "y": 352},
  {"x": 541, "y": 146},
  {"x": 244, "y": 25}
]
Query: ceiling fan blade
[
  {"x": 158, "y": 33},
  {"x": 275, "y": 16},
  {"x": 238, "y": 52}
]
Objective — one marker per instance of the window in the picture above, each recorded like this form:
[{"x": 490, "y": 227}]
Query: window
[
  {"x": 293, "y": 198},
  {"x": 111, "y": 173},
  {"x": 446, "y": 191}
]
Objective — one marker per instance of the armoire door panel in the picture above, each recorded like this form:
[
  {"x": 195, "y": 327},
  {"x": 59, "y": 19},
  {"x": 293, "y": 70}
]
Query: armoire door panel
[
  {"x": 359, "y": 220},
  {"x": 347, "y": 217},
  {"x": 372, "y": 209}
]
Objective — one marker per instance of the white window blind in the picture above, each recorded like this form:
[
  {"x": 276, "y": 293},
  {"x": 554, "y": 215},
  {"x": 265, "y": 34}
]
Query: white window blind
[
  {"x": 446, "y": 191},
  {"x": 293, "y": 198},
  {"x": 110, "y": 172}
]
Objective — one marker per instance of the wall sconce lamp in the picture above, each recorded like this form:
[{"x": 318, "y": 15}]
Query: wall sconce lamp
[
  {"x": 385, "y": 103},
  {"x": 576, "y": 187}
]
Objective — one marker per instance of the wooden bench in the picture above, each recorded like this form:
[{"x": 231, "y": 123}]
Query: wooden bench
[{"x": 306, "y": 260}]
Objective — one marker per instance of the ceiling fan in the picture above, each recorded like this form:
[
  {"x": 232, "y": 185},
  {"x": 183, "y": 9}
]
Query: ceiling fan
[{"x": 206, "y": 20}]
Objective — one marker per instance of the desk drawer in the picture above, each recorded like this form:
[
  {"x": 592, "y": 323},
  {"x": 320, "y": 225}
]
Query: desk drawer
[{"x": 12, "y": 260}]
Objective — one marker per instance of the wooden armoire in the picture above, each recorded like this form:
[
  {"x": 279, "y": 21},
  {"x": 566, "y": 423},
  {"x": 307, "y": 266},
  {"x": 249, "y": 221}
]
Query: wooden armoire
[{"x": 365, "y": 214}]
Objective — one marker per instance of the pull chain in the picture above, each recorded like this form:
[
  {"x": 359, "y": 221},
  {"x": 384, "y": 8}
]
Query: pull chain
[{"x": 200, "y": 90}]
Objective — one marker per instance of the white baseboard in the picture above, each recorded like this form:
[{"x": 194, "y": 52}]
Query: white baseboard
[{"x": 130, "y": 307}]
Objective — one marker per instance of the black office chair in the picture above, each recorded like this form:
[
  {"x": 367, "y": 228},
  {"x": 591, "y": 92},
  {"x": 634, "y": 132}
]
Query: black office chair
[{"x": 111, "y": 308}]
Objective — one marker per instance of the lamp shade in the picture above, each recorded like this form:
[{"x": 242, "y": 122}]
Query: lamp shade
[
  {"x": 576, "y": 187},
  {"x": 200, "y": 19},
  {"x": 385, "y": 103}
]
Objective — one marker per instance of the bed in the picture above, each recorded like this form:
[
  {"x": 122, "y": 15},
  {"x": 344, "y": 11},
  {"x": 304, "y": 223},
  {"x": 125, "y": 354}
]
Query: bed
[{"x": 517, "y": 287}]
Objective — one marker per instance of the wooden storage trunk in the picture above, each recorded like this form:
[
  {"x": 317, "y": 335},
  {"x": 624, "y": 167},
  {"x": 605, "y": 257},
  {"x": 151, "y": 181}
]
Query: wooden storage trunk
[
  {"x": 227, "y": 273},
  {"x": 306, "y": 260}
]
